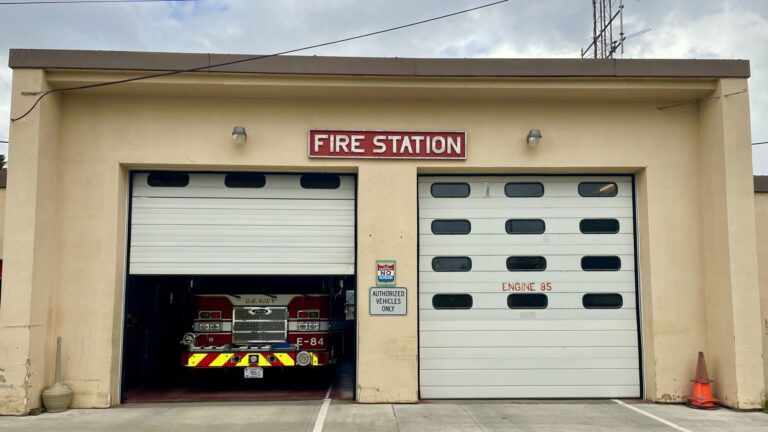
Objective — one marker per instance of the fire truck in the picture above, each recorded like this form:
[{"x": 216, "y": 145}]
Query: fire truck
[{"x": 258, "y": 331}]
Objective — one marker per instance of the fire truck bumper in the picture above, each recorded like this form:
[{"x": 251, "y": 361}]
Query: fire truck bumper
[{"x": 262, "y": 359}]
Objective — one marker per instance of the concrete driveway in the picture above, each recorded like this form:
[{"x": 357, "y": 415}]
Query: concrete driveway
[{"x": 316, "y": 416}]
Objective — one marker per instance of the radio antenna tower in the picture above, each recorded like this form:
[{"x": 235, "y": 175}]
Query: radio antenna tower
[{"x": 604, "y": 15}]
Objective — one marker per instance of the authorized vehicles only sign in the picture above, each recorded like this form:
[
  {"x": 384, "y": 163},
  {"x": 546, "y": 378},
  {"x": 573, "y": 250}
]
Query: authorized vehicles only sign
[
  {"x": 387, "y": 144},
  {"x": 388, "y": 301}
]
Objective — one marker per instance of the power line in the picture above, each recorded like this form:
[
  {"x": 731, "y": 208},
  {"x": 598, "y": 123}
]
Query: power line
[
  {"x": 50, "y": 2},
  {"x": 760, "y": 143},
  {"x": 3, "y": 141},
  {"x": 41, "y": 95},
  {"x": 5, "y": 82},
  {"x": 707, "y": 99}
]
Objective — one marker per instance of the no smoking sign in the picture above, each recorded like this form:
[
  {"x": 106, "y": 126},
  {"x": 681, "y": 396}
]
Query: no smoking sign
[{"x": 386, "y": 273}]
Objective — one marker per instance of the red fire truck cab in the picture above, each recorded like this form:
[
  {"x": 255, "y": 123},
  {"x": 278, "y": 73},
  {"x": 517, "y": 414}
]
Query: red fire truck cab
[{"x": 255, "y": 331}]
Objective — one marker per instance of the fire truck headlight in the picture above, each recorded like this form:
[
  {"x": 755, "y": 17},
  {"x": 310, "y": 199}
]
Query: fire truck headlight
[
  {"x": 302, "y": 327},
  {"x": 303, "y": 358},
  {"x": 313, "y": 326}
]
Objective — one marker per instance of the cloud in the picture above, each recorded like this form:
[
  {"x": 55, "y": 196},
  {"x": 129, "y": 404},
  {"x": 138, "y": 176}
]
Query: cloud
[
  {"x": 726, "y": 31},
  {"x": 520, "y": 28}
]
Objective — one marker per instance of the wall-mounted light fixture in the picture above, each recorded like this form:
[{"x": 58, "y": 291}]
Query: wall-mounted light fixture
[
  {"x": 534, "y": 137},
  {"x": 238, "y": 134}
]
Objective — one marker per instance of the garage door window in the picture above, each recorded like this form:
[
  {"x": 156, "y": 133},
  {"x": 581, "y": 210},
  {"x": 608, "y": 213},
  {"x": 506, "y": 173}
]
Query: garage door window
[
  {"x": 168, "y": 179},
  {"x": 452, "y": 301},
  {"x": 451, "y": 226},
  {"x": 601, "y": 263},
  {"x": 451, "y": 264},
  {"x": 525, "y": 226},
  {"x": 450, "y": 190},
  {"x": 599, "y": 226},
  {"x": 524, "y": 190},
  {"x": 245, "y": 180},
  {"x": 526, "y": 263},
  {"x": 320, "y": 181},
  {"x": 602, "y": 189},
  {"x": 602, "y": 301},
  {"x": 527, "y": 301}
]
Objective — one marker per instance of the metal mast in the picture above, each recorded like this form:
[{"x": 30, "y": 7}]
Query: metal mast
[{"x": 603, "y": 17}]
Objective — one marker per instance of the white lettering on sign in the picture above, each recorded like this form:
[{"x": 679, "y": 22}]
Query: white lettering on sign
[
  {"x": 387, "y": 144},
  {"x": 357, "y": 144},
  {"x": 378, "y": 143},
  {"x": 318, "y": 141},
  {"x": 388, "y": 301},
  {"x": 342, "y": 141}
]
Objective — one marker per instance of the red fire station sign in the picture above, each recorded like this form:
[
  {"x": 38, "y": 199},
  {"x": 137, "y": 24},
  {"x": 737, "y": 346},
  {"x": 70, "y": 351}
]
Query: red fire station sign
[{"x": 387, "y": 144}]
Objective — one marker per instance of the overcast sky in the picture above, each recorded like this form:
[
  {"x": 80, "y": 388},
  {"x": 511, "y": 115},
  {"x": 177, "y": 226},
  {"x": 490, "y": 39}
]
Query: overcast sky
[{"x": 736, "y": 29}]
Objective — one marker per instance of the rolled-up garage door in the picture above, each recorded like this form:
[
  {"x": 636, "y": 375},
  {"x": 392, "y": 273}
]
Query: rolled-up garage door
[{"x": 242, "y": 224}]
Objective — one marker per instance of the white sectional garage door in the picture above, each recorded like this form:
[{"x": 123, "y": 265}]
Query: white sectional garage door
[
  {"x": 527, "y": 287},
  {"x": 242, "y": 223}
]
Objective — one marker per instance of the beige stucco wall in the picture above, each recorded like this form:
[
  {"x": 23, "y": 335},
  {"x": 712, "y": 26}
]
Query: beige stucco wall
[
  {"x": 761, "y": 211},
  {"x": 2, "y": 219},
  {"x": 695, "y": 293}
]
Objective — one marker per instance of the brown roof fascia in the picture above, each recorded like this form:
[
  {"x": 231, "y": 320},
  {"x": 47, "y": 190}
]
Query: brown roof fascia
[
  {"x": 372, "y": 66},
  {"x": 761, "y": 184}
]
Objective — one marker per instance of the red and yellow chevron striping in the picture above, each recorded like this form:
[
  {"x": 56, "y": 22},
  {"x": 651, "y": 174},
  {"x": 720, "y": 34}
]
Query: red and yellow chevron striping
[{"x": 246, "y": 359}]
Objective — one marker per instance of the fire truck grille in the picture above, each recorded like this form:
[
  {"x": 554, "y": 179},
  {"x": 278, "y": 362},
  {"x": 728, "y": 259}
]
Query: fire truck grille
[{"x": 259, "y": 324}]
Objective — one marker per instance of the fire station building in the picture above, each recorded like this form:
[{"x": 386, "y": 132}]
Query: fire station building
[{"x": 499, "y": 228}]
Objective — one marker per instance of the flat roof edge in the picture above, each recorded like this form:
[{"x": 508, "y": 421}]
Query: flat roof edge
[{"x": 373, "y": 66}]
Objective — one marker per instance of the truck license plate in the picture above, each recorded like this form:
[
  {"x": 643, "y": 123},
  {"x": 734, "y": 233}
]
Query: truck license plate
[{"x": 253, "y": 372}]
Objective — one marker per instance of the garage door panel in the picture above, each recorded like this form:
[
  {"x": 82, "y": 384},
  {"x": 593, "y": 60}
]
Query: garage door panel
[
  {"x": 494, "y": 186},
  {"x": 507, "y": 276},
  {"x": 264, "y": 206},
  {"x": 528, "y": 240},
  {"x": 509, "y": 250},
  {"x": 427, "y": 313},
  {"x": 526, "y": 364},
  {"x": 526, "y": 325},
  {"x": 501, "y": 377},
  {"x": 498, "y": 225},
  {"x": 262, "y": 268},
  {"x": 212, "y": 245},
  {"x": 241, "y": 230},
  {"x": 556, "y": 263},
  {"x": 206, "y": 233},
  {"x": 206, "y": 227},
  {"x": 212, "y": 186},
  {"x": 568, "y": 348},
  {"x": 222, "y": 220},
  {"x": 553, "y": 352},
  {"x": 577, "y": 338},
  {"x": 555, "y": 301},
  {"x": 529, "y": 392},
  {"x": 490, "y": 203},
  {"x": 234, "y": 255},
  {"x": 581, "y": 212},
  {"x": 493, "y": 287}
]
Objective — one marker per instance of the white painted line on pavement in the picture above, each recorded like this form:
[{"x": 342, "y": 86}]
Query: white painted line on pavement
[
  {"x": 320, "y": 421},
  {"x": 647, "y": 414}
]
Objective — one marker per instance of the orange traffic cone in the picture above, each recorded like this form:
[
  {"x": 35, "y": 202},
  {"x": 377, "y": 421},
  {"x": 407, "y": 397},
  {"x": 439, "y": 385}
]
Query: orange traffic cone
[{"x": 702, "y": 392}]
